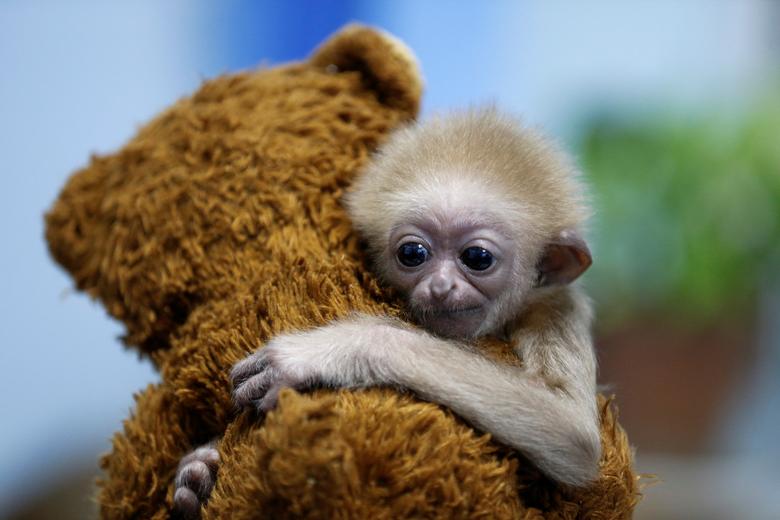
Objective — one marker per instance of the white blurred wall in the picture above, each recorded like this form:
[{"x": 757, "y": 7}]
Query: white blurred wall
[
  {"x": 75, "y": 78},
  {"x": 550, "y": 60}
]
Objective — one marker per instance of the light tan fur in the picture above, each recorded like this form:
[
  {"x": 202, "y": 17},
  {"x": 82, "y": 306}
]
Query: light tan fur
[
  {"x": 480, "y": 165},
  {"x": 483, "y": 158},
  {"x": 515, "y": 171},
  {"x": 488, "y": 159}
]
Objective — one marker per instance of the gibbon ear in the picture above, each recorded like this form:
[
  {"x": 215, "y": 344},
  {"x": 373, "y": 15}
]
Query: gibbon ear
[{"x": 564, "y": 259}]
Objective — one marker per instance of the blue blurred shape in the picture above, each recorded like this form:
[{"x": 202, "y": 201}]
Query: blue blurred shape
[{"x": 279, "y": 31}]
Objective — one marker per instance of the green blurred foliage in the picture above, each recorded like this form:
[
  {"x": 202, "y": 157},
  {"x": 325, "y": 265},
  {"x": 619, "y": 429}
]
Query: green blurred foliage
[{"x": 687, "y": 212}]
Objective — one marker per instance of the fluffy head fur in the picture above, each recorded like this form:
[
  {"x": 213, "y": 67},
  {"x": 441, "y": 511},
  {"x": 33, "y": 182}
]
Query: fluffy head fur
[{"x": 477, "y": 161}]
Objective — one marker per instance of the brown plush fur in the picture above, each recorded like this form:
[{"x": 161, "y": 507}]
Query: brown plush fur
[{"x": 218, "y": 226}]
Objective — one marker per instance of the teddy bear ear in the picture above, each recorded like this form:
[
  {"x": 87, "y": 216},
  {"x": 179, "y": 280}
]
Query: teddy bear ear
[{"x": 387, "y": 65}]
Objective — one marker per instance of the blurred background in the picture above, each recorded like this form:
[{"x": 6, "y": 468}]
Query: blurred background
[{"x": 672, "y": 108}]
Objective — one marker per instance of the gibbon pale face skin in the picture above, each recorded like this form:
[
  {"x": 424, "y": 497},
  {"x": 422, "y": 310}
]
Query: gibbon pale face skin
[
  {"x": 451, "y": 269},
  {"x": 476, "y": 220}
]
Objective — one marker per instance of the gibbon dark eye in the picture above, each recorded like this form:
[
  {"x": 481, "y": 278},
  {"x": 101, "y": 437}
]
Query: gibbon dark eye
[
  {"x": 412, "y": 254},
  {"x": 476, "y": 258}
]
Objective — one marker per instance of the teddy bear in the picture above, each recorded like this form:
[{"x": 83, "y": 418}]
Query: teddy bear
[{"x": 219, "y": 226}]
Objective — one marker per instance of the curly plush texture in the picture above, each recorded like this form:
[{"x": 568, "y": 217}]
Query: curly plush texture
[{"x": 219, "y": 226}]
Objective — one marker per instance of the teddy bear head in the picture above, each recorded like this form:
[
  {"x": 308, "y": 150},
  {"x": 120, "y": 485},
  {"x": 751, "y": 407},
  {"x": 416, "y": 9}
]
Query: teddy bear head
[{"x": 230, "y": 182}]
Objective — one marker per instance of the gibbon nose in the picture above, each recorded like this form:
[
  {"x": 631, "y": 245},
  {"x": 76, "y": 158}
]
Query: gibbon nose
[{"x": 441, "y": 286}]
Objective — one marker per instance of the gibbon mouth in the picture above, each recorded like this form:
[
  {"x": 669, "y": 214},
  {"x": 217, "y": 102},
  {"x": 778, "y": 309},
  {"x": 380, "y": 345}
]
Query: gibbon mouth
[{"x": 458, "y": 312}]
